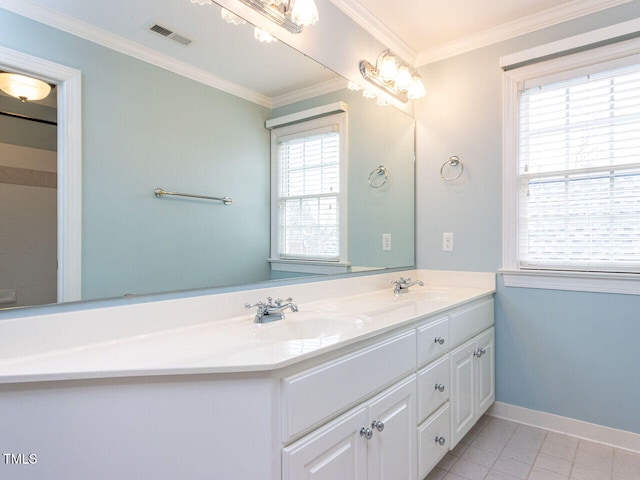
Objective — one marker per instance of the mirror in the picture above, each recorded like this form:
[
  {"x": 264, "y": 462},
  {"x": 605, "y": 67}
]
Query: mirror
[{"x": 145, "y": 127}]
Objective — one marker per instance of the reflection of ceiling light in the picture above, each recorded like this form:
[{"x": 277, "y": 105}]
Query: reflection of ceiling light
[
  {"x": 354, "y": 87},
  {"x": 230, "y": 17},
  {"x": 202, "y": 2},
  {"x": 394, "y": 76},
  {"x": 24, "y": 88},
  {"x": 291, "y": 15},
  {"x": 263, "y": 36}
]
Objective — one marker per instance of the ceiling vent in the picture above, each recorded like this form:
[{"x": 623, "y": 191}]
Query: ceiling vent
[{"x": 167, "y": 32}]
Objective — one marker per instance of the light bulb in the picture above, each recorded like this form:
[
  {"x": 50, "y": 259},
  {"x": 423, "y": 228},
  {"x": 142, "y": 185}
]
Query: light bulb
[
  {"x": 403, "y": 79},
  {"x": 388, "y": 68},
  {"x": 304, "y": 12},
  {"x": 416, "y": 90},
  {"x": 263, "y": 36},
  {"x": 231, "y": 17}
]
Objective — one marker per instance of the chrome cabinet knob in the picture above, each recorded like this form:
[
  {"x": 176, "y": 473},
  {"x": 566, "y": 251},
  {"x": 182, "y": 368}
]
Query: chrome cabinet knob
[
  {"x": 478, "y": 353},
  {"x": 439, "y": 340},
  {"x": 366, "y": 433},
  {"x": 440, "y": 387},
  {"x": 378, "y": 425},
  {"x": 440, "y": 440}
]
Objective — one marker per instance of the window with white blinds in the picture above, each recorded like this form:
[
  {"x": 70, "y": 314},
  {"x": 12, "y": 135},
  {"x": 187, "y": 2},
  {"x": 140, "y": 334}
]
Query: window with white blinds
[
  {"x": 309, "y": 203},
  {"x": 579, "y": 171}
]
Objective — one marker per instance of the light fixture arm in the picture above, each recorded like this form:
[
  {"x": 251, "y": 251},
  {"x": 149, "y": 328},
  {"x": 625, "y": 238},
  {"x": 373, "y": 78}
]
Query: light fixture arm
[{"x": 276, "y": 16}]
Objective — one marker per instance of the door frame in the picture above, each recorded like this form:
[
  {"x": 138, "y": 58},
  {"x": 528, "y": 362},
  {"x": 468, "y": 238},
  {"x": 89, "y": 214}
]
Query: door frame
[{"x": 69, "y": 133}]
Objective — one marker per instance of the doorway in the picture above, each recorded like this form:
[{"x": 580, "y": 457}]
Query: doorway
[{"x": 69, "y": 172}]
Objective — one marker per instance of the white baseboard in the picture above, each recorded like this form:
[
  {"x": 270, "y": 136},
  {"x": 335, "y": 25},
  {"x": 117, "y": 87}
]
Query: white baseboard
[{"x": 569, "y": 426}]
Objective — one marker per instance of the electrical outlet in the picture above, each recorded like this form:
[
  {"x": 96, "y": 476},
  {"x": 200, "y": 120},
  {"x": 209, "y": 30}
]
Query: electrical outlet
[
  {"x": 386, "y": 241},
  {"x": 447, "y": 242}
]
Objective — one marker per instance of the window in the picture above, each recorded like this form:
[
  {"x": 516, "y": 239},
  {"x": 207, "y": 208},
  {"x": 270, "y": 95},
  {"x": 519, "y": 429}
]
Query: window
[
  {"x": 309, "y": 196},
  {"x": 572, "y": 168}
]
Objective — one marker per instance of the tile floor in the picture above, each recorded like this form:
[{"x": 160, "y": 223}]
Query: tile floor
[{"x": 497, "y": 449}]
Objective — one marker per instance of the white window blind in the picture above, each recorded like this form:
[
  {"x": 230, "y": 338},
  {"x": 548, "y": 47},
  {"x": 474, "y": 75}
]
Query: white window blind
[
  {"x": 579, "y": 173},
  {"x": 309, "y": 195}
]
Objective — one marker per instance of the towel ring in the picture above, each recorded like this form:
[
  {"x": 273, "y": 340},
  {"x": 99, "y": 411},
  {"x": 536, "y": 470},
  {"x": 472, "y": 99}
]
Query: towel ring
[
  {"x": 454, "y": 162},
  {"x": 380, "y": 171}
]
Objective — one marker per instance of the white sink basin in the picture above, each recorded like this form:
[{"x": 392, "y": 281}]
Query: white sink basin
[{"x": 303, "y": 325}]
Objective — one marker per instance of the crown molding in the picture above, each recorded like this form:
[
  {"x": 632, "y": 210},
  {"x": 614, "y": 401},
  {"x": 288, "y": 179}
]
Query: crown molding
[
  {"x": 368, "y": 21},
  {"x": 104, "y": 38},
  {"x": 321, "y": 88},
  {"x": 532, "y": 23}
]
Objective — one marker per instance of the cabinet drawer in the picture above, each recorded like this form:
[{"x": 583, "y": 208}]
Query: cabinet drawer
[
  {"x": 433, "y": 340},
  {"x": 433, "y": 432},
  {"x": 467, "y": 323},
  {"x": 314, "y": 395},
  {"x": 430, "y": 397}
]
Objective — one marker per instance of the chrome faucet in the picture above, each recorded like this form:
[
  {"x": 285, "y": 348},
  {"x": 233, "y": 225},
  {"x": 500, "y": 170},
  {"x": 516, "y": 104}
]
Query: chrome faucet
[
  {"x": 403, "y": 285},
  {"x": 272, "y": 310}
]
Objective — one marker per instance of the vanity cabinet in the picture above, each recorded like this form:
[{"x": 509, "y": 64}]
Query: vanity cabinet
[
  {"x": 472, "y": 383},
  {"x": 374, "y": 441},
  {"x": 393, "y": 409}
]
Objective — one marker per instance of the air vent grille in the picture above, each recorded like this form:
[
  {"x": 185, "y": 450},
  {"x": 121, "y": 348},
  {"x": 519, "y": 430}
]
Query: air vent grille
[{"x": 167, "y": 32}]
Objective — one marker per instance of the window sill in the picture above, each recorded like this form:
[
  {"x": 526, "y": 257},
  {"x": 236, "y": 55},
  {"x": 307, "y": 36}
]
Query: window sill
[
  {"x": 308, "y": 266},
  {"x": 622, "y": 283}
]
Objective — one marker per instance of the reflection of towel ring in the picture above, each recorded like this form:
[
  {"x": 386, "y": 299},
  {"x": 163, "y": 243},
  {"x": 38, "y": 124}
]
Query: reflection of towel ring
[
  {"x": 454, "y": 162},
  {"x": 380, "y": 171}
]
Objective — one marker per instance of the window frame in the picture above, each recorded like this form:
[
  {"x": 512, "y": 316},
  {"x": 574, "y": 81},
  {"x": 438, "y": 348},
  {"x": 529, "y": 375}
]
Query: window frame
[
  {"x": 513, "y": 275},
  {"x": 302, "y": 265}
]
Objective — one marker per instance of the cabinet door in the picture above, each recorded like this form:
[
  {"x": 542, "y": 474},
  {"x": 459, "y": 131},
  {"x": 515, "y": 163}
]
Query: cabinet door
[
  {"x": 485, "y": 368},
  {"x": 334, "y": 452},
  {"x": 392, "y": 451},
  {"x": 463, "y": 381}
]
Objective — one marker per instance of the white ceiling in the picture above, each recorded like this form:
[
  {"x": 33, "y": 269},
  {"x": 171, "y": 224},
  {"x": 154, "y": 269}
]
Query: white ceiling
[
  {"x": 419, "y": 30},
  {"x": 429, "y": 30}
]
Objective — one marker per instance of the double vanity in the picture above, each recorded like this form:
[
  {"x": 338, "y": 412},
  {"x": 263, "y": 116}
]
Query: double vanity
[{"x": 360, "y": 383}]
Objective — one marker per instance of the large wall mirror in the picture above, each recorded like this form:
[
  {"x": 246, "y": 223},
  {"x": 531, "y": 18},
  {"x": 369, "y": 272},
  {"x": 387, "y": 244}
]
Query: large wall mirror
[{"x": 145, "y": 127}]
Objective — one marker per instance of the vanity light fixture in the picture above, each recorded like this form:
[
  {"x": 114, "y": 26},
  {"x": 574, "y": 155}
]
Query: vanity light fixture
[
  {"x": 23, "y": 87},
  {"x": 291, "y": 15},
  {"x": 394, "y": 76}
]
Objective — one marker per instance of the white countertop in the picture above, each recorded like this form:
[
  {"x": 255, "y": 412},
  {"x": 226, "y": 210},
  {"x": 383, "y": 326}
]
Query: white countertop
[{"x": 237, "y": 344}]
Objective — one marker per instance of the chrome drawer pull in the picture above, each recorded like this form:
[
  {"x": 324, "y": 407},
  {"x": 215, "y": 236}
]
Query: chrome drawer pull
[
  {"x": 439, "y": 340},
  {"x": 478, "y": 353},
  {"x": 440, "y": 387},
  {"x": 366, "y": 433},
  {"x": 440, "y": 440},
  {"x": 378, "y": 425}
]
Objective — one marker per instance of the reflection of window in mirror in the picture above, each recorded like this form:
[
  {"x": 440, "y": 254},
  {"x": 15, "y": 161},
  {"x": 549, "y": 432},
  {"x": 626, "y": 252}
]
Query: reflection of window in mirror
[{"x": 309, "y": 165}]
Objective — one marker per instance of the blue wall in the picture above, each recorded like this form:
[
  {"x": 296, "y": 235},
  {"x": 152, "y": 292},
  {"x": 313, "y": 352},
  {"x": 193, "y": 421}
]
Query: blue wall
[
  {"x": 568, "y": 353},
  {"x": 144, "y": 127}
]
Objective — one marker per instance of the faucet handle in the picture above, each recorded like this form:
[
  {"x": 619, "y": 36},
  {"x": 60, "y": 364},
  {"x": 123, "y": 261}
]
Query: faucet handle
[{"x": 260, "y": 304}]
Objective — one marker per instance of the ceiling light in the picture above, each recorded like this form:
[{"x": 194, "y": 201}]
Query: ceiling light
[
  {"x": 23, "y": 87},
  {"x": 394, "y": 76},
  {"x": 291, "y": 15}
]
